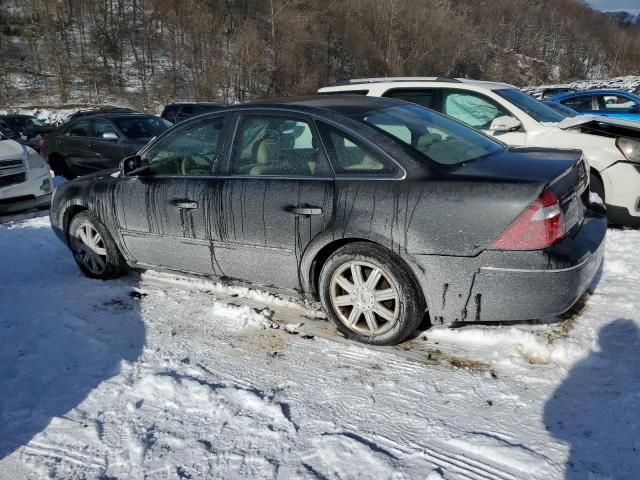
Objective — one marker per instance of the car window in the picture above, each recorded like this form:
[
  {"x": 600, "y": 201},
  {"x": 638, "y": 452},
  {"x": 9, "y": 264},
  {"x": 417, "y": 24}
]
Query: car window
[
  {"x": 101, "y": 126},
  {"x": 141, "y": 127},
  {"x": 170, "y": 112},
  {"x": 276, "y": 145},
  {"x": 581, "y": 103},
  {"x": 473, "y": 109},
  {"x": 188, "y": 152},
  {"x": 434, "y": 136},
  {"x": 81, "y": 128},
  {"x": 421, "y": 96},
  {"x": 529, "y": 105},
  {"x": 352, "y": 157},
  {"x": 614, "y": 103}
]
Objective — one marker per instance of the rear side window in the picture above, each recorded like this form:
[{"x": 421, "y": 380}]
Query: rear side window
[
  {"x": 581, "y": 103},
  {"x": 420, "y": 96},
  {"x": 350, "y": 156}
]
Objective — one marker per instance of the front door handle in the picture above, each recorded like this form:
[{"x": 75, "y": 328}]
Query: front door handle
[
  {"x": 306, "y": 210},
  {"x": 91, "y": 145},
  {"x": 185, "y": 204}
]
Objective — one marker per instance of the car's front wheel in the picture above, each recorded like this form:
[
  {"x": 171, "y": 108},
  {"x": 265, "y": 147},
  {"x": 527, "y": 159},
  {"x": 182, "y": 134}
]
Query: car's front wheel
[
  {"x": 370, "y": 295},
  {"x": 94, "y": 249}
]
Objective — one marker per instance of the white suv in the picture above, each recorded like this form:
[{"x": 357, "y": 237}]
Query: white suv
[
  {"x": 610, "y": 146},
  {"x": 25, "y": 178}
]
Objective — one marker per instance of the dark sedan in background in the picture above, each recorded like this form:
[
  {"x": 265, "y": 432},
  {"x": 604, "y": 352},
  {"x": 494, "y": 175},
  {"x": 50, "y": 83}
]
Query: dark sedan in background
[
  {"x": 382, "y": 209},
  {"x": 95, "y": 142}
]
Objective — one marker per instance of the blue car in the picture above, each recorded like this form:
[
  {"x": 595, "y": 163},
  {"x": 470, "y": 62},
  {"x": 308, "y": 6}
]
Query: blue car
[{"x": 608, "y": 103}]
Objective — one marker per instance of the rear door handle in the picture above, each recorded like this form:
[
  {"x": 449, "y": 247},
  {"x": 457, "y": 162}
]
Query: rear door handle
[
  {"x": 91, "y": 145},
  {"x": 185, "y": 204},
  {"x": 306, "y": 210}
]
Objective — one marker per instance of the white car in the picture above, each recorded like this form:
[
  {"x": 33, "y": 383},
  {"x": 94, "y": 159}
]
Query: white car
[
  {"x": 25, "y": 178},
  {"x": 610, "y": 146}
]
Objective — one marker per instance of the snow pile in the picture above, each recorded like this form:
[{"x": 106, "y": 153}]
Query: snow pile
[{"x": 154, "y": 377}]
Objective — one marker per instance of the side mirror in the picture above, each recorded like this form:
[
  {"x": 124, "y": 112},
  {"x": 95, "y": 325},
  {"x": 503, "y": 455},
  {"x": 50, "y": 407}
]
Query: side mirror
[
  {"x": 129, "y": 164},
  {"x": 110, "y": 136},
  {"x": 505, "y": 123},
  {"x": 635, "y": 108}
]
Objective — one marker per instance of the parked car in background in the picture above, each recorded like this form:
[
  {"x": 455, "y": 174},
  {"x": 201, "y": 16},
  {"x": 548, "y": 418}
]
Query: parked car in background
[
  {"x": 102, "y": 110},
  {"x": 547, "y": 93},
  {"x": 608, "y": 103},
  {"x": 25, "y": 179},
  {"x": 611, "y": 146},
  {"x": 561, "y": 109},
  {"x": 178, "y": 112},
  {"x": 30, "y": 129},
  {"x": 95, "y": 142},
  {"x": 381, "y": 209}
]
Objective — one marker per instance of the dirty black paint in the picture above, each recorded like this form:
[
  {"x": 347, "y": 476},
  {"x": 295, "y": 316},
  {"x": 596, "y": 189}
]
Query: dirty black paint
[{"x": 440, "y": 220}]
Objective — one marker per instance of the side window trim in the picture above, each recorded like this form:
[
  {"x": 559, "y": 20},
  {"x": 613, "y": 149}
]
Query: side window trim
[
  {"x": 173, "y": 131},
  {"x": 234, "y": 127},
  {"x": 400, "y": 172}
]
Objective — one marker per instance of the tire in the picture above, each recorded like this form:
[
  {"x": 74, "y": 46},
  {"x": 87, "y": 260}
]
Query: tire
[
  {"x": 596, "y": 186},
  {"x": 358, "y": 315},
  {"x": 97, "y": 257}
]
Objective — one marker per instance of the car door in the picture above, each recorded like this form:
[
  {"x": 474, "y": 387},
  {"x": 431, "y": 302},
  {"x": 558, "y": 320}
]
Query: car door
[
  {"x": 276, "y": 198},
  {"x": 74, "y": 144},
  {"x": 167, "y": 211},
  {"x": 107, "y": 144}
]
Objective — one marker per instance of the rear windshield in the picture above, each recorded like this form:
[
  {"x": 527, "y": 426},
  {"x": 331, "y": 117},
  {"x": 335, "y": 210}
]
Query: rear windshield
[
  {"x": 142, "y": 127},
  {"x": 532, "y": 107},
  {"x": 437, "y": 137}
]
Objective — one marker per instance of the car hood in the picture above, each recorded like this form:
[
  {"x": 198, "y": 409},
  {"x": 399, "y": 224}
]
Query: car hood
[
  {"x": 593, "y": 120},
  {"x": 10, "y": 149}
]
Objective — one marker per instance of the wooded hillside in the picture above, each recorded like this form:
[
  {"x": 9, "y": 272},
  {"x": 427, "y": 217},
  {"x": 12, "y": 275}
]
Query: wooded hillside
[{"x": 142, "y": 52}]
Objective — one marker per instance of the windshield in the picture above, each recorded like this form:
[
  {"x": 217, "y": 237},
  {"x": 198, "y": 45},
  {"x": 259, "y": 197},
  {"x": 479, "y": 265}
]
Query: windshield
[
  {"x": 532, "y": 107},
  {"x": 22, "y": 122},
  {"x": 435, "y": 136},
  {"x": 563, "y": 110},
  {"x": 142, "y": 127}
]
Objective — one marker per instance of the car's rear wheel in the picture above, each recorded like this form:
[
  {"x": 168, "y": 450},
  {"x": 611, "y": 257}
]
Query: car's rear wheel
[
  {"x": 370, "y": 295},
  {"x": 94, "y": 249}
]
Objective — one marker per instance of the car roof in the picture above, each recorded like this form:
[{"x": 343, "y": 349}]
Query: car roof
[
  {"x": 595, "y": 92},
  {"x": 177, "y": 104},
  {"x": 115, "y": 115},
  {"x": 361, "y": 82},
  {"x": 345, "y": 104}
]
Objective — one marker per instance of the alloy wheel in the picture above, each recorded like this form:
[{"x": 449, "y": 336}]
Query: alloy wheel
[
  {"x": 90, "y": 249},
  {"x": 364, "y": 298}
]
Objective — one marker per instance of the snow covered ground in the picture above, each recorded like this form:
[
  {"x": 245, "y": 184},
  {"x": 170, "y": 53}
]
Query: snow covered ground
[
  {"x": 629, "y": 83},
  {"x": 161, "y": 377}
]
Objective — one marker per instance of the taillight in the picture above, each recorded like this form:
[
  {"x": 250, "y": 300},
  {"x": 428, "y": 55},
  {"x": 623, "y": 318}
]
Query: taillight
[{"x": 539, "y": 226}]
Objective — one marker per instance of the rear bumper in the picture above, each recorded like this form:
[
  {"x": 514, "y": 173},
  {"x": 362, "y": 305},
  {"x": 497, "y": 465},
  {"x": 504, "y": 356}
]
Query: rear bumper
[{"x": 516, "y": 285}]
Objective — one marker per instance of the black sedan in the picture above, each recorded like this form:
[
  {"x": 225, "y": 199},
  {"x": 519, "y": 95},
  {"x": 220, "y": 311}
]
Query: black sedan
[
  {"x": 96, "y": 142},
  {"x": 382, "y": 209}
]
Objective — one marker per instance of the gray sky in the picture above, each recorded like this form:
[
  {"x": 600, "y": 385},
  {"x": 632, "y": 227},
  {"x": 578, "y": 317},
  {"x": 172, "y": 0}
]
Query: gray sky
[{"x": 631, "y": 6}]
